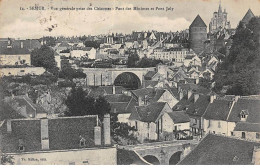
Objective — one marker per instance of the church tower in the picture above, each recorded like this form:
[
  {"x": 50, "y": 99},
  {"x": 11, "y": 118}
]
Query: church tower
[
  {"x": 219, "y": 20},
  {"x": 197, "y": 34}
]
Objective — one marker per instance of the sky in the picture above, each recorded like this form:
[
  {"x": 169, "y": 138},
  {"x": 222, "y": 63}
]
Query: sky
[{"x": 16, "y": 23}]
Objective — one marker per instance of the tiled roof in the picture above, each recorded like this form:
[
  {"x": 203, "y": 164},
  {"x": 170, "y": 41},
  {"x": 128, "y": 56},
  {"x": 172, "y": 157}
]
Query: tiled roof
[
  {"x": 158, "y": 94},
  {"x": 198, "y": 108},
  {"x": 251, "y": 105},
  {"x": 119, "y": 107},
  {"x": 218, "y": 110},
  {"x": 173, "y": 90},
  {"x": 220, "y": 150},
  {"x": 149, "y": 75},
  {"x": 29, "y": 43},
  {"x": 150, "y": 82},
  {"x": 142, "y": 92},
  {"x": 148, "y": 113},
  {"x": 249, "y": 127},
  {"x": 64, "y": 44},
  {"x": 64, "y": 133},
  {"x": 30, "y": 106},
  {"x": 131, "y": 106},
  {"x": 14, "y": 51},
  {"x": 184, "y": 103},
  {"x": 87, "y": 48},
  {"x": 7, "y": 112},
  {"x": 179, "y": 117},
  {"x": 117, "y": 98},
  {"x": 109, "y": 89},
  {"x": 194, "y": 87},
  {"x": 198, "y": 22}
]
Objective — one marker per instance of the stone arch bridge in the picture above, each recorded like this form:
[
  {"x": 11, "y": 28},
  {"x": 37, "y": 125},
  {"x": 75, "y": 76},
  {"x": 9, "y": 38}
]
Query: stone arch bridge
[
  {"x": 163, "y": 153},
  {"x": 107, "y": 76}
]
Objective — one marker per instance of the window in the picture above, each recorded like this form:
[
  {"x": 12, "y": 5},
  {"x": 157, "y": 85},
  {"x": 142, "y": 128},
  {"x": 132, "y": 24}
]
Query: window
[
  {"x": 232, "y": 133},
  {"x": 209, "y": 124},
  {"x": 219, "y": 125},
  {"x": 21, "y": 148},
  {"x": 136, "y": 125},
  {"x": 82, "y": 142},
  {"x": 175, "y": 128},
  {"x": 243, "y": 135},
  {"x": 213, "y": 132},
  {"x": 20, "y": 145},
  {"x": 243, "y": 116},
  {"x": 148, "y": 126},
  {"x": 257, "y": 135}
]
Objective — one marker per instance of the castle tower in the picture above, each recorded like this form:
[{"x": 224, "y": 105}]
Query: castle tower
[
  {"x": 197, "y": 34},
  {"x": 248, "y": 16}
]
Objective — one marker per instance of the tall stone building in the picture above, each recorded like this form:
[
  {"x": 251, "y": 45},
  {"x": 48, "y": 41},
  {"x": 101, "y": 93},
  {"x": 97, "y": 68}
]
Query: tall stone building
[
  {"x": 219, "y": 21},
  {"x": 198, "y": 34},
  {"x": 248, "y": 16}
]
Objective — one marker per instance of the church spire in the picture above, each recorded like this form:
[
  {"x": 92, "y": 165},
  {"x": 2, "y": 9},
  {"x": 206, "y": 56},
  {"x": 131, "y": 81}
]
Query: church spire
[{"x": 220, "y": 8}]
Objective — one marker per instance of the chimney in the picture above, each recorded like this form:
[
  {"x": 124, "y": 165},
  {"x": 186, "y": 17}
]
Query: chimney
[
  {"x": 140, "y": 101},
  {"x": 106, "y": 124},
  {"x": 21, "y": 44},
  {"x": 196, "y": 96},
  {"x": 97, "y": 135},
  {"x": 256, "y": 155},
  {"x": 236, "y": 98},
  {"x": 189, "y": 93},
  {"x": 175, "y": 84},
  {"x": 9, "y": 126},
  {"x": 230, "y": 104},
  {"x": 197, "y": 80},
  {"x": 114, "y": 89},
  {"x": 44, "y": 134},
  {"x": 145, "y": 99},
  {"x": 212, "y": 98},
  {"x": 181, "y": 95}
]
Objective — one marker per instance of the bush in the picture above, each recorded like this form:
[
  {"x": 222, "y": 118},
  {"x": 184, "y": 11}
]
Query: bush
[{"x": 66, "y": 83}]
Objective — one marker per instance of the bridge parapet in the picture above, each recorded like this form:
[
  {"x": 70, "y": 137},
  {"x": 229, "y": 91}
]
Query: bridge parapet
[{"x": 163, "y": 151}]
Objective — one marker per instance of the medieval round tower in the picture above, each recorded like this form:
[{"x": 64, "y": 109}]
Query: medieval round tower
[{"x": 197, "y": 34}]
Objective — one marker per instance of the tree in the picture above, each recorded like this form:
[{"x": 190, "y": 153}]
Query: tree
[
  {"x": 7, "y": 159},
  {"x": 44, "y": 57},
  {"x": 101, "y": 107},
  {"x": 132, "y": 59},
  {"x": 92, "y": 44},
  {"x": 147, "y": 62},
  {"x": 240, "y": 69},
  {"x": 70, "y": 73},
  {"x": 80, "y": 104}
]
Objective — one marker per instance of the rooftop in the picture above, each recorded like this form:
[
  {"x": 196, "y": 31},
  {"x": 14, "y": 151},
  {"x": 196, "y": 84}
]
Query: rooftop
[
  {"x": 198, "y": 22},
  {"x": 179, "y": 117},
  {"x": 14, "y": 51},
  {"x": 221, "y": 150},
  {"x": 218, "y": 110},
  {"x": 148, "y": 113},
  {"x": 64, "y": 133}
]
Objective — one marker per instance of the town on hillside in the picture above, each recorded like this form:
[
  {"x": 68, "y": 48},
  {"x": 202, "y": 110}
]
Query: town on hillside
[{"x": 190, "y": 97}]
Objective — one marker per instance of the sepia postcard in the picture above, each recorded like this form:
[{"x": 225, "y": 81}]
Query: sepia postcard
[{"x": 129, "y": 82}]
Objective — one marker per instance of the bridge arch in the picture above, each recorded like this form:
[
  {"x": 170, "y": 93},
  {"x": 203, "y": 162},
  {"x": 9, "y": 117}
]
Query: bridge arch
[
  {"x": 152, "y": 159},
  {"x": 128, "y": 80},
  {"x": 175, "y": 158}
]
